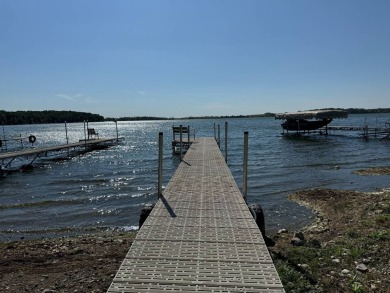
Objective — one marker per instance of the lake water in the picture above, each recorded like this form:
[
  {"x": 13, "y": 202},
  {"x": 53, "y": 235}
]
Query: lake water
[{"x": 106, "y": 189}]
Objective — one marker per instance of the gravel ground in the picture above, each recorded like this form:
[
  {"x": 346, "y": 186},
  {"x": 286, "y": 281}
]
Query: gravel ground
[{"x": 73, "y": 264}]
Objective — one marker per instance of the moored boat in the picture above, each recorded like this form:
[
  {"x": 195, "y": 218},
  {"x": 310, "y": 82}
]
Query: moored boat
[{"x": 309, "y": 120}]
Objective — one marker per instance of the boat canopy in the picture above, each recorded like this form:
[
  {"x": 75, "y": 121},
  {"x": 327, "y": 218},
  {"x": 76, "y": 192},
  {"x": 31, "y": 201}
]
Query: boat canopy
[{"x": 320, "y": 114}]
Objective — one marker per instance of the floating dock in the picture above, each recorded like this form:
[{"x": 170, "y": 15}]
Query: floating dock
[
  {"x": 200, "y": 236},
  {"x": 8, "y": 157}
]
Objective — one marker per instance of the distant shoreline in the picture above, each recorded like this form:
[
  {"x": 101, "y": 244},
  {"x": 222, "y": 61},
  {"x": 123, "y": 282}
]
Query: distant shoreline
[{"x": 51, "y": 116}]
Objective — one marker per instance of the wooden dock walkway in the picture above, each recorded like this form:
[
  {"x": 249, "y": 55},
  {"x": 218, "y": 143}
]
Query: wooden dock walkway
[{"x": 200, "y": 237}]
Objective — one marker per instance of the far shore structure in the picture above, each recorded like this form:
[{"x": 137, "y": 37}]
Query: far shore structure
[{"x": 309, "y": 120}]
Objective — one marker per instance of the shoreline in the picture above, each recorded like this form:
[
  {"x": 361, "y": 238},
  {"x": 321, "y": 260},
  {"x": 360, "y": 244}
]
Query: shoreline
[
  {"x": 345, "y": 249},
  {"x": 84, "y": 263},
  {"x": 351, "y": 229}
]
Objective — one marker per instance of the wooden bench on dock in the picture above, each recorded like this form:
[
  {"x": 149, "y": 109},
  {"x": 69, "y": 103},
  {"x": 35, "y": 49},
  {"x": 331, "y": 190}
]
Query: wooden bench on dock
[{"x": 200, "y": 236}]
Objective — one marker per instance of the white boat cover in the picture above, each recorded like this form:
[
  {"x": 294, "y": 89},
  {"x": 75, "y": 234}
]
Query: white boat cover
[{"x": 317, "y": 114}]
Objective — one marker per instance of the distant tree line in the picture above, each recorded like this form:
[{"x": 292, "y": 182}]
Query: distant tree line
[
  {"x": 137, "y": 118},
  {"x": 44, "y": 117},
  {"x": 364, "y": 111},
  {"x": 359, "y": 110}
]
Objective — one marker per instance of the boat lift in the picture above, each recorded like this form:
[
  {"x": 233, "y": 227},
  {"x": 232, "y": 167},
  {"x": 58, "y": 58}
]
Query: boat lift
[{"x": 306, "y": 121}]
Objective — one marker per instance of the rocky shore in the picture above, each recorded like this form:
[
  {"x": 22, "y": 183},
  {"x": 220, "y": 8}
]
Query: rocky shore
[
  {"x": 346, "y": 249},
  {"x": 79, "y": 264}
]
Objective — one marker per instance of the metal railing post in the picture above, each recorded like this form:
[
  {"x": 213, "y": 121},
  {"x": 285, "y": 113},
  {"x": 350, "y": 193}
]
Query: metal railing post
[
  {"x": 117, "y": 133},
  {"x": 85, "y": 136},
  {"x": 181, "y": 143},
  {"x": 245, "y": 167},
  {"x": 66, "y": 133},
  {"x": 215, "y": 134},
  {"x": 87, "y": 129},
  {"x": 188, "y": 136},
  {"x": 160, "y": 163},
  {"x": 226, "y": 138},
  {"x": 219, "y": 136}
]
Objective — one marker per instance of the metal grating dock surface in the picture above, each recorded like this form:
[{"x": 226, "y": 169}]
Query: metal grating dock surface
[{"x": 200, "y": 237}]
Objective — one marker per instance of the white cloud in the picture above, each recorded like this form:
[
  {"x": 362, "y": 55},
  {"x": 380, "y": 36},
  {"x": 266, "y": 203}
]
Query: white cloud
[
  {"x": 79, "y": 98},
  {"x": 67, "y": 97}
]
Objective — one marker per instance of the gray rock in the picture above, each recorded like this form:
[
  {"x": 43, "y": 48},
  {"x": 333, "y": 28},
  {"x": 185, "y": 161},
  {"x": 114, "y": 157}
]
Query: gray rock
[
  {"x": 48, "y": 291},
  {"x": 299, "y": 235},
  {"x": 366, "y": 260},
  {"x": 304, "y": 266},
  {"x": 345, "y": 272},
  {"x": 362, "y": 268},
  {"x": 314, "y": 243},
  {"x": 297, "y": 241},
  {"x": 336, "y": 260},
  {"x": 282, "y": 231}
]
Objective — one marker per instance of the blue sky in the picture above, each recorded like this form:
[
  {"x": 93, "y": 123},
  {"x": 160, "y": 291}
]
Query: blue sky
[{"x": 193, "y": 58}]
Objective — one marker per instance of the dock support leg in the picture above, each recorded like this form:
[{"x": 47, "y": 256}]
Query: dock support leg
[
  {"x": 66, "y": 133},
  {"x": 245, "y": 167},
  {"x": 85, "y": 136},
  {"x": 87, "y": 129},
  {"x": 181, "y": 143},
  {"x": 117, "y": 133},
  {"x": 160, "y": 164},
  {"x": 226, "y": 134},
  {"x": 188, "y": 146},
  {"x": 219, "y": 136}
]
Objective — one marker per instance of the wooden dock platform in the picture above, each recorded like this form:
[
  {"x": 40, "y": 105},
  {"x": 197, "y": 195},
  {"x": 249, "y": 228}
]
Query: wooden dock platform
[{"x": 200, "y": 237}]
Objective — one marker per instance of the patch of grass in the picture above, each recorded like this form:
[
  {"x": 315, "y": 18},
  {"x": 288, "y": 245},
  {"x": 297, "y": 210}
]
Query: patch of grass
[
  {"x": 358, "y": 232},
  {"x": 386, "y": 209},
  {"x": 301, "y": 254},
  {"x": 352, "y": 233},
  {"x": 293, "y": 281},
  {"x": 383, "y": 220},
  {"x": 356, "y": 285},
  {"x": 380, "y": 235}
]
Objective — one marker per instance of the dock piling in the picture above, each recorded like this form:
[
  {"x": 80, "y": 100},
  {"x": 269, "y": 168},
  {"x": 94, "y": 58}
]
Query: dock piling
[
  {"x": 245, "y": 167},
  {"x": 181, "y": 143},
  {"x": 219, "y": 136},
  {"x": 188, "y": 129},
  {"x": 117, "y": 133},
  {"x": 160, "y": 163},
  {"x": 66, "y": 133},
  {"x": 226, "y": 138},
  {"x": 85, "y": 135}
]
